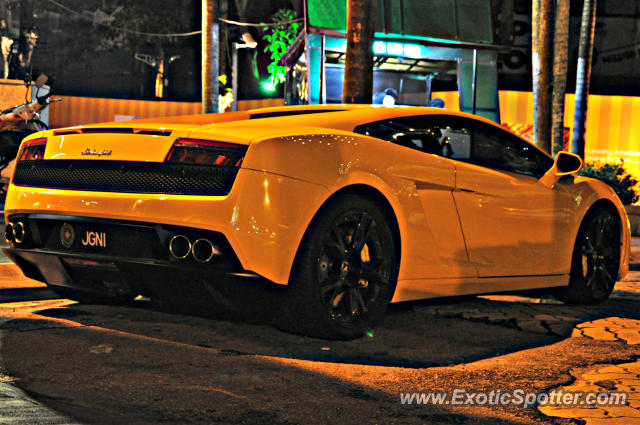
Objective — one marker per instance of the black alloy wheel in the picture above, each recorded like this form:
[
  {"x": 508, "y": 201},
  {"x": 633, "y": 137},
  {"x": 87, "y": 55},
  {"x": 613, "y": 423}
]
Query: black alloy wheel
[
  {"x": 345, "y": 271},
  {"x": 596, "y": 259}
]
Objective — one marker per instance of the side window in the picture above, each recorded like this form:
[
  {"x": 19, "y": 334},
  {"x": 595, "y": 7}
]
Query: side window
[
  {"x": 456, "y": 142},
  {"x": 417, "y": 133},
  {"x": 461, "y": 139},
  {"x": 499, "y": 149}
]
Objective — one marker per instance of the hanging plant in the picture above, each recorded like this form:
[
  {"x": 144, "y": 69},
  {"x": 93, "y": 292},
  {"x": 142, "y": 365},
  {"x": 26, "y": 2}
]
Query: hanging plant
[{"x": 279, "y": 38}]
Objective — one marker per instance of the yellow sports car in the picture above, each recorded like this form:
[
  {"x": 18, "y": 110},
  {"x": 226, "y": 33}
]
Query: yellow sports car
[{"x": 351, "y": 206}]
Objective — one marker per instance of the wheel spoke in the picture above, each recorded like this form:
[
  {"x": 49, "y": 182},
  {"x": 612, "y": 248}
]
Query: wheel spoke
[
  {"x": 332, "y": 287},
  {"x": 587, "y": 247},
  {"x": 361, "y": 233},
  {"x": 608, "y": 281},
  {"x": 361, "y": 303},
  {"x": 353, "y": 303},
  {"x": 608, "y": 250},
  {"x": 338, "y": 240},
  {"x": 372, "y": 275},
  {"x": 375, "y": 292},
  {"x": 597, "y": 231},
  {"x": 335, "y": 299}
]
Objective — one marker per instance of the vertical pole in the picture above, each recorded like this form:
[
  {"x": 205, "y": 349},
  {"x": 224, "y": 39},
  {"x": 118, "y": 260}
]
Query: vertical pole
[
  {"x": 307, "y": 54},
  {"x": 474, "y": 83},
  {"x": 234, "y": 75},
  {"x": 223, "y": 36},
  {"x": 583, "y": 75},
  {"x": 322, "y": 99},
  {"x": 209, "y": 57}
]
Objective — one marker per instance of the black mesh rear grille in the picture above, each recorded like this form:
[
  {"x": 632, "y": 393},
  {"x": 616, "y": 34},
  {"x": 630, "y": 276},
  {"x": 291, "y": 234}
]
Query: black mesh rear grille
[{"x": 126, "y": 176}]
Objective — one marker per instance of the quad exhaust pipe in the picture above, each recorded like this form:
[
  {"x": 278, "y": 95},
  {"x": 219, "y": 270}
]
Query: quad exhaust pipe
[
  {"x": 8, "y": 232},
  {"x": 15, "y": 232},
  {"x": 179, "y": 247},
  {"x": 202, "y": 250}
]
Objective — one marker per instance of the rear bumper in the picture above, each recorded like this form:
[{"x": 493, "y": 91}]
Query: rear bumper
[
  {"x": 172, "y": 284},
  {"x": 263, "y": 218},
  {"x": 134, "y": 261}
]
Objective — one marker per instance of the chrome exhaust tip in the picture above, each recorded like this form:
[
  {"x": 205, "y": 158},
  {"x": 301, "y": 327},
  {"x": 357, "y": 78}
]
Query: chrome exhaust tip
[
  {"x": 179, "y": 247},
  {"x": 8, "y": 232},
  {"x": 19, "y": 232},
  {"x": 203, "y": 250}
]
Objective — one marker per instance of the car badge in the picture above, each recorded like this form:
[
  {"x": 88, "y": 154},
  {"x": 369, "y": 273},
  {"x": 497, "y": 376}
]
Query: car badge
[
  {"x": 67, "y": 235},
  {"x": 93, "y": 152}
]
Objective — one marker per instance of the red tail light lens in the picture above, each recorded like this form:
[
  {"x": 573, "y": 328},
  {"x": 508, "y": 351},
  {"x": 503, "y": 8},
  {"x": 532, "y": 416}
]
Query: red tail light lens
[
  {"x": 32, "y": 149},
  {"x": 206, "y": 152}
]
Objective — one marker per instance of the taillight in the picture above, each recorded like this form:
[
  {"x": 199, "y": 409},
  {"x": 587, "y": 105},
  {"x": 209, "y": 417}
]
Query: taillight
[
  {"x": 206, "y": 152},
  {"x": 32, "y": 149}
]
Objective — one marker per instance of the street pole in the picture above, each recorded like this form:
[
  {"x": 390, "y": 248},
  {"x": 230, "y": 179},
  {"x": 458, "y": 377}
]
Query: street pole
[
  {"x": 209, "y": 57},
  {"x": 234, "y": 76}
]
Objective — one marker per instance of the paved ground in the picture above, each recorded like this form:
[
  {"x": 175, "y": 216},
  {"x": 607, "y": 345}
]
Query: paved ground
[{"x": 134, "y": 364}]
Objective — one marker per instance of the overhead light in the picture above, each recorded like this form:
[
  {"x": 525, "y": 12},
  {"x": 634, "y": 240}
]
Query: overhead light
[
  {"x": 380, "y": 48},
  {"x": 412, "y": 51},
  {"x": 268, "y": 87},
  {"x": 396, "y": 49},
  {"x": 391, "y": 48}
]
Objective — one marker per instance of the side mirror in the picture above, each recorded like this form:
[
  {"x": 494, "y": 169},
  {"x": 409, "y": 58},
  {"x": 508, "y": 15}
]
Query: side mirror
[
  {"x": 568, "y": 163},
  {"x": 565, "y": 163}
]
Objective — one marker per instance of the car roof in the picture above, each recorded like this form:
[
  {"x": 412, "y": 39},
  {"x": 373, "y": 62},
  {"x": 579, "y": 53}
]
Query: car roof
[
  {"x": 286, "y": 120},
  {"x": 341, "y": 118},
  {"x": 335, "y": 117}
]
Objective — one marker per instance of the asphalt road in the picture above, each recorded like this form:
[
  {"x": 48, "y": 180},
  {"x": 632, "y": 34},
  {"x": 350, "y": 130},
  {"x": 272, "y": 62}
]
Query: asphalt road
[{"x": 136, "y": 364}]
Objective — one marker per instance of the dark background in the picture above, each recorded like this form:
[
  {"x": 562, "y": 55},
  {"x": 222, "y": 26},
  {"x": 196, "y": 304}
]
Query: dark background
[{"x": 85, "y": 58}]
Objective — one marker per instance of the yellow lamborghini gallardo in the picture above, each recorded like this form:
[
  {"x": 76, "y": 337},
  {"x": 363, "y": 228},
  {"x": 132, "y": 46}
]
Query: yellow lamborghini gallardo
[{"x": 351, "y": 207}]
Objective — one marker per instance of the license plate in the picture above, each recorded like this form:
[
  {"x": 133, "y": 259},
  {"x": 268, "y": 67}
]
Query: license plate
[{"x": 94, "y": 239}]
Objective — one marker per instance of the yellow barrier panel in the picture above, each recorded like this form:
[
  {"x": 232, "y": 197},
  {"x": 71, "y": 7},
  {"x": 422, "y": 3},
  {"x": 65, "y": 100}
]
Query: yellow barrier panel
[{"x": 612, "y": 132}]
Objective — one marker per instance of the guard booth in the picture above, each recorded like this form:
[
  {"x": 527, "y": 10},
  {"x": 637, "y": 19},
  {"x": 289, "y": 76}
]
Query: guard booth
[{"x": 419, "y": 46}]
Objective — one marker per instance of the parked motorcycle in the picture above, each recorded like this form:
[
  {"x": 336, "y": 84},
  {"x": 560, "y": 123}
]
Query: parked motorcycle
[
  {"x": 18, "y": 122},
  {"x": 27, "y": 115}
]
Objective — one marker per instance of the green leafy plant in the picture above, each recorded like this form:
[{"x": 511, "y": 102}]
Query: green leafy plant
[
  {"x": 225, "y": 96},
  {"x": 616, "y": 176},
  {"x": 279, "y": 38}
]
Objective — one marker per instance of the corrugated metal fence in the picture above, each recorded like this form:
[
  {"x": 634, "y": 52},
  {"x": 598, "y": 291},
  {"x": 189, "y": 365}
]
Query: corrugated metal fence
[
  {"x": 612, "y": 131},
  {"x": 88, "y": 110}
]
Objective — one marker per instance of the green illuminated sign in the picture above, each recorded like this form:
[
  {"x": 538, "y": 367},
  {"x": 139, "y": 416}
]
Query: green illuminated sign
[{"x": 460, "y": 20}]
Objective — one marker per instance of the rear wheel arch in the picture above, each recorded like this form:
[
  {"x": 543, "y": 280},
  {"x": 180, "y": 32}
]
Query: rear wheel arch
[
  {"x": 374, "y": 195},
  {"x": 361, "y": 286}
]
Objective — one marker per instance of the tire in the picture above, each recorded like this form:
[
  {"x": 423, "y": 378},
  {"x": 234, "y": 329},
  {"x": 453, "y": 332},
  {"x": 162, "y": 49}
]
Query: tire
[
  {"x": 595, "y": 260},
  {"x": 344, "y": 274},
  {"x": 86, "y": 297}
]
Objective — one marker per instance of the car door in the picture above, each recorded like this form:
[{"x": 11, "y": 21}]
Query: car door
[
  {"x": 513, "y": 224},
  {"x": 437, "y": 248}
]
